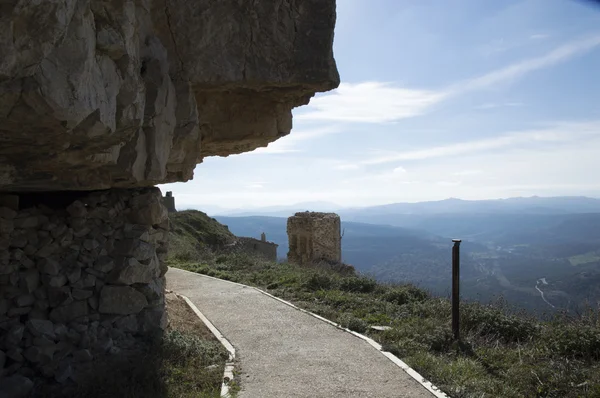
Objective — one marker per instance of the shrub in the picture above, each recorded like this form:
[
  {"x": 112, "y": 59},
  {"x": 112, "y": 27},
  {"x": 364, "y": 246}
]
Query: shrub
[
  {"x": 318, "y": 281},
  {"x": 358, "y": 285},
  {"x": 489, "y": 321},
  {"x": 405, "y": 294},
  {"x": 574, "y": 340},
  {"x": 355, "y": 324}
]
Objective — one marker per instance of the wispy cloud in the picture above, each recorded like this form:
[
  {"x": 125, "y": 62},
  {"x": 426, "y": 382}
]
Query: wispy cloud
[
  {"x": 346, "y": 167},
  {"x": 491, "y": 105},
  {"x": 370, "y": 102},
  {"x": 522, "y": 68},
  {"x": 539, "y": 36},
  {"x": 255, "y": 185},
  {"x": 463, "y": 173},
  {"x": 378, "y": 102},
  {"x": 561, "y": 133}
]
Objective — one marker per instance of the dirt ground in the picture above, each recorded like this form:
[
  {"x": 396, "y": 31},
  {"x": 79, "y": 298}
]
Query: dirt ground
[{"x": 182, "y": 317}]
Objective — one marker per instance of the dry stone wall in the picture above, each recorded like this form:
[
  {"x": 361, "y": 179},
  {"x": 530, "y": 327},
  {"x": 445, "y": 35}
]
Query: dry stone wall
[
  {"x": 81, "y": 274},
  {"x": 314, "y": 237},
  {"x": 262, "y": 248}
]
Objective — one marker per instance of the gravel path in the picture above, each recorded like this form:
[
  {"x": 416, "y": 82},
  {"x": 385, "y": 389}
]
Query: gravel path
[{"x": 285, "y": 353}]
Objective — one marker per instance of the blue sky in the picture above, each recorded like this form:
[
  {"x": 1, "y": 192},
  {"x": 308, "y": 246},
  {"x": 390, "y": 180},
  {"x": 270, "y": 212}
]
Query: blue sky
[{"x": 439, "y": 98}]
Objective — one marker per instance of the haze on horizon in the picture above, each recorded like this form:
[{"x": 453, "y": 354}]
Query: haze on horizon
[{"x": 473, "y": 100}]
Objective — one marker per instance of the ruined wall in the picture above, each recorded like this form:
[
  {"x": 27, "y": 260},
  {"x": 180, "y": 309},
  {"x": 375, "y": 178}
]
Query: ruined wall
[
  {"x": 314, "y": 237},
  {"x": 169, "y": 202},
  {"x": 80, "y": 275},
  {"x": 267, "y": 250}
]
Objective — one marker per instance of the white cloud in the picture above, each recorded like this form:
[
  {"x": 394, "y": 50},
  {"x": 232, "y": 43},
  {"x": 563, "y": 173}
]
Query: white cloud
[
  {"x": 399, "y": 170},
  {"x": 370, "y": 102},
  {"x": 463, "y": 173},
  {"x": 559, "y": 134},
  {"x": 378, "y": 102},
  {"x": 448, "y": 183},
  {"x": 492, "y": 105},
  {"x": 346, "y": 167},
  {"x": 255, "y": 185},
  {"x": 520, "y": 69},
  {"x": 521, "y": 170},
  {"x": 539, "y": 36}
]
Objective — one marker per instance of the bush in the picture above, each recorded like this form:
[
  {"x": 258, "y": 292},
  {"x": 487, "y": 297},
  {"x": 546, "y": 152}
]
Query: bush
[
  {"x": 355, "y": 324},
  {"x": 489, "y": 321},
  {"x": 318, "y": 281},
  {"x": 358, "y": 285},
  {"x": 574, "y": 340},
  {"x": 405, "y": 294}
]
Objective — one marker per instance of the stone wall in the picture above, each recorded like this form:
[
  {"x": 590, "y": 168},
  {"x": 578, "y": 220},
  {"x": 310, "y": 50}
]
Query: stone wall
[
  {"x": 314, "y": 237},
  {"x": 80, "y": 275},
  {"x": 267, "y": 250}
]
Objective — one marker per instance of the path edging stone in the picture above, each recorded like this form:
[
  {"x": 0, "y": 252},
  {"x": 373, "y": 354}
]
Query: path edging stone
[{"x": 230, "y": 364}]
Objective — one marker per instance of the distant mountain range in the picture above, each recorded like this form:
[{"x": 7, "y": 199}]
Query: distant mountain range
[
  {"x": 528, "y": 205},
  {"x": 516, "y": 247}
]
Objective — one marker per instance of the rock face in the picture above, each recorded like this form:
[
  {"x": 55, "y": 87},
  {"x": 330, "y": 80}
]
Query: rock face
[
  {"x": 124, "y": 93},
  {"x": 314, "y": 237}
]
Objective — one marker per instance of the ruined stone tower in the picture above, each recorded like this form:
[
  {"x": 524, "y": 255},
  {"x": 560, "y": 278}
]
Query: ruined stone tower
[
  {"x": 314, "y": 237},
  {"x": 169, "y": 202}
]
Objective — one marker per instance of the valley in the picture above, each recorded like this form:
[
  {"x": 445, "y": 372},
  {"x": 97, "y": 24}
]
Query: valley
[{"x": 540, "y": 255}]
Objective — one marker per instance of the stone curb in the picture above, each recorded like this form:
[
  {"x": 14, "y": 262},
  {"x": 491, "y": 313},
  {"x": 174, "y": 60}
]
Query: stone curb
[
  {"x": 230, "y": 364},
  {"x": 397, "y": 361}
]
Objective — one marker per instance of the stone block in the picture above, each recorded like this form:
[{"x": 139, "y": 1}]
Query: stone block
[
  {"x": 121, "y": 300},
  {"x": 40, "y": 328},
  {"x": 69, "y": 312},
  {"x": 16, "y": 386}
]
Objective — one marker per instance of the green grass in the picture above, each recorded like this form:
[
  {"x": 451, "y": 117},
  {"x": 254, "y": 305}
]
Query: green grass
[
  {"x": 194, "y": 236},
  {"x": 502, "y": 353}
]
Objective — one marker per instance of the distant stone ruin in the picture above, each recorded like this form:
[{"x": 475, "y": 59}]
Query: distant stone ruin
[
  {"x": 262, "y": 247},
  {"x": 169, "y": 202},
  {"x": 314, "y": 237}
]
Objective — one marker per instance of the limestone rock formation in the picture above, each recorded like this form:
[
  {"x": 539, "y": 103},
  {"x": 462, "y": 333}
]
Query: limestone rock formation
[{"x": 97, "y": 94}]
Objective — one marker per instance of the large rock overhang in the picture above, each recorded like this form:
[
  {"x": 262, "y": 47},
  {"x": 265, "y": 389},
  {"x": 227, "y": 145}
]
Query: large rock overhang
[{"x": 113, "y": 93}]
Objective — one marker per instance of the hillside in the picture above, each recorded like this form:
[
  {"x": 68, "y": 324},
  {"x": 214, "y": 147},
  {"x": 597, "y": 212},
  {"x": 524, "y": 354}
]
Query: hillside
[
  {"x": 502, "y": 353},
  {"x": 194, "y": 235}
]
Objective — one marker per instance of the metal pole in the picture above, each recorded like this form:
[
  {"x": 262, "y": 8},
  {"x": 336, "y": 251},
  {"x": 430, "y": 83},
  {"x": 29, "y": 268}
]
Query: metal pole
[{"x": 455, "y": 288}]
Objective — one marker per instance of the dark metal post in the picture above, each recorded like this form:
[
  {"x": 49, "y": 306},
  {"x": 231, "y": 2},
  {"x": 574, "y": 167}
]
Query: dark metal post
[{"x": 455, "y": 288}]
